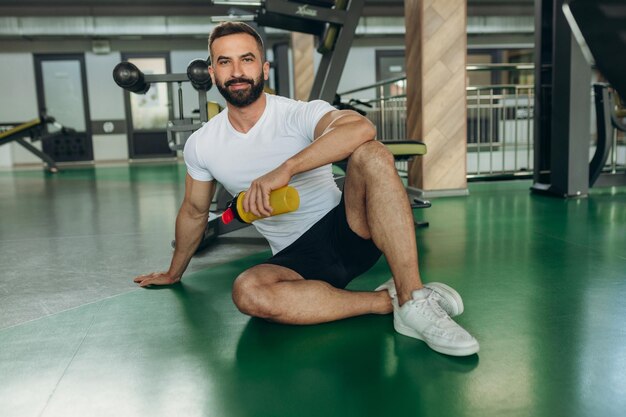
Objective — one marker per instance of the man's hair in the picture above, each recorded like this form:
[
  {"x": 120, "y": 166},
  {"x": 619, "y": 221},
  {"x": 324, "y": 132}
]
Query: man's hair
[{"x": 233, "y": 28}]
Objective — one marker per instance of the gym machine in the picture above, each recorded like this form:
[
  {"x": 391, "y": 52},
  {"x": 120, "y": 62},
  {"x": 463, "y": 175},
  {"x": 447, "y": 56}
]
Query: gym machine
[
  {"x": 572, "y": 35},
  {"x": 334, "y": 23},
  {"x": 130, "y": 78},
  {"x": 610, "y": 117},
  {"x": 36, "y": 130},
  {"x": 598, "y": 28}
]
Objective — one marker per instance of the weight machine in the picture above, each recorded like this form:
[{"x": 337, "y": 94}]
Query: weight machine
[
  {"x": 598, "y": 27},
  {"x": 571, "y": 36}
]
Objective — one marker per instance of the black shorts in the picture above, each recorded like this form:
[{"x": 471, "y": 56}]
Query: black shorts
[{"x": 329, "y": 251}]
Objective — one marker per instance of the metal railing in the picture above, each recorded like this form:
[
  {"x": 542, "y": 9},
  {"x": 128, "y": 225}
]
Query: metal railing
[
  {"x": 500, "y": 130},
  {"x": 499, "y": 121},
  {"x": 499, "y": 124}
]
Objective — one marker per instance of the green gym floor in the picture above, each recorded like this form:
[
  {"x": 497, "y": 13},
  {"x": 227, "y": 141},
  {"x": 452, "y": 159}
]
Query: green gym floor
[{"x": 543, "y": 280}]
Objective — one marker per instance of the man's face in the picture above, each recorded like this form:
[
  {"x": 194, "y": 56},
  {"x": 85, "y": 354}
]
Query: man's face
[{"x": 237, "y": 69}]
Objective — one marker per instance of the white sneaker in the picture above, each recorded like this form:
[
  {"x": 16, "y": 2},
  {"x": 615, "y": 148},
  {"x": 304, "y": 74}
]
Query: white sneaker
[
  {"x": 423, "y": 318},
  {"x": 451, "y": 301}
]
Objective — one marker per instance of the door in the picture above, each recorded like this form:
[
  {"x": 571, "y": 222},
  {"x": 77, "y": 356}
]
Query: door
[
  {"x": 62, "y": 94},
  {"x": 390, "y": 64},
  {"x": 147, "y": 114}
]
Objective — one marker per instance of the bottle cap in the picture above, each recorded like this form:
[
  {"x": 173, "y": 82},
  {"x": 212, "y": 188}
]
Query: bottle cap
[{"x": 228, "y": 216}]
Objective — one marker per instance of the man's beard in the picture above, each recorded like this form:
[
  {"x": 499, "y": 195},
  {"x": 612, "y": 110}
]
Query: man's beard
[{"x": 241, "y": 97}]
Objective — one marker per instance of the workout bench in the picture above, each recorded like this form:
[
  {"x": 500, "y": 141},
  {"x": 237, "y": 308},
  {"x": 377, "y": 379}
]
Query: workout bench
[{"x": 35, "y": 130}]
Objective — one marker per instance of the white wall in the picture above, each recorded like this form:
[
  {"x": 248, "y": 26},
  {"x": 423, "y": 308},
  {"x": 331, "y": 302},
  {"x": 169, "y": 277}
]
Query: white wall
[
  {"x": 106, "y": 102},
  {"x": 106, "y": 99},
  {"x": 360, "y": 70},
  {"x": 19, "y": 103},
  {"x": 17, "y": 83}
]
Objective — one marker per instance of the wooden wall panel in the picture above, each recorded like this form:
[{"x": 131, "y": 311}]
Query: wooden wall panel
[
  {"x": 436, "y": 49},
  {"x": 302, "y": 46}
]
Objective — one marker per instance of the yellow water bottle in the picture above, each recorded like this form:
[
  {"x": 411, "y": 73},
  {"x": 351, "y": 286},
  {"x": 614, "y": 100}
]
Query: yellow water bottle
[{"x": 282, "y": 200}]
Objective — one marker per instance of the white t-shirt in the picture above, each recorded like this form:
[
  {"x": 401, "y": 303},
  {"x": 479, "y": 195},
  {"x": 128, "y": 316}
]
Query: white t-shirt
[{"x": 217, "y": 151}]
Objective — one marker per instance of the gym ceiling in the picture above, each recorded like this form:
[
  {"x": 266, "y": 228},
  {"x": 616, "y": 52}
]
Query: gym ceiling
[{"x": 205, "y": 7}]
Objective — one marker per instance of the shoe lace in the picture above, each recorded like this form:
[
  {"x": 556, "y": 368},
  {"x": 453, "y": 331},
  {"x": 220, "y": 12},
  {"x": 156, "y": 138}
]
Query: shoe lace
[{"x": 431, "y": 308}]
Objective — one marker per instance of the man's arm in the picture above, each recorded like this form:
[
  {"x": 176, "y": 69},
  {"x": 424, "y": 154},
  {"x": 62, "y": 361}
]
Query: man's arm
[
  {"x": 190, "y": 225},
  {"x": 337, "y": 135}
]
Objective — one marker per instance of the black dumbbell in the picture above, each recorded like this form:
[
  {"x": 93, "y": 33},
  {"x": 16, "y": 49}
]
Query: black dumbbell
[
  {"x": 198, "y": 74},
  {"x": 130, "y": 78}
]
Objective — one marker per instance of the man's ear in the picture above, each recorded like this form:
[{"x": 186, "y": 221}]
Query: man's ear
[
  {"x": 266, "y": 70},
  {"x": 212, "y": 74}
]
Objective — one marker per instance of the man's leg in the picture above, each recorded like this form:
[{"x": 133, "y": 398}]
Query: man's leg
[
  {"x": 280, "y": 294},
  {"x": 377, "y": 207},
  {"x": 373, "y": 193}
]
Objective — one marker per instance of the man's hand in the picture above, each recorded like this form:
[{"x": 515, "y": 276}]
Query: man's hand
[
  {"x": 156, "y": 278},
  {"x": 190, "y": 225},
  {"x": 257, "y": 198}
]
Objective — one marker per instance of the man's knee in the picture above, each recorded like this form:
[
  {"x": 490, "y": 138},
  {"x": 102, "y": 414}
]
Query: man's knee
[
  {"x": 251, "y": 296},
  {"x": 372, "y": 154}
]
